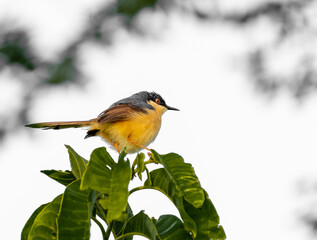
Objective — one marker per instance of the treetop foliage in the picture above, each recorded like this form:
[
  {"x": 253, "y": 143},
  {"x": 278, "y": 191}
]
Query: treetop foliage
[{"x": 98, "y": 190}]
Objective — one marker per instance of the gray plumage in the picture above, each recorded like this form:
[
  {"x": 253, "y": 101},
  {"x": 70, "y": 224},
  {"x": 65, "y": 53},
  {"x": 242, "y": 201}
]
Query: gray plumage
[{"x": 138, "y": 100}]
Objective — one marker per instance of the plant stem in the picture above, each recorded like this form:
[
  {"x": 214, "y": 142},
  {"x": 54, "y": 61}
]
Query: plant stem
[
  {"x": 100, "y": 226},
  {"x": 148, "y": 175},
  {"x": 139, "y": 188},
  {"x": 150, "y": 187},
  {"x": 150, "y": 161},
  {"x": 101, "y": 211},
  {"x": 110, "y": 226}
]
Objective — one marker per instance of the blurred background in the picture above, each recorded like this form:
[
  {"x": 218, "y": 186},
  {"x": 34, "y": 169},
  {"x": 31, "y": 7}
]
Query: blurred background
[{"x": 242, "y": 72}]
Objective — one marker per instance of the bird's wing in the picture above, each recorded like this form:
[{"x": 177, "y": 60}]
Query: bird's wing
[{"x": 119, "y": 113}]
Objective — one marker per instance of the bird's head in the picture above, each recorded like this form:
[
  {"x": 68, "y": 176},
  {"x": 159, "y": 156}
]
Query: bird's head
[{"x": 155, "y": 100}]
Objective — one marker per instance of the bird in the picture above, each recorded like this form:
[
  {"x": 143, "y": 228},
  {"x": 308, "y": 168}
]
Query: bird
[{"x": 129, "y": 124}]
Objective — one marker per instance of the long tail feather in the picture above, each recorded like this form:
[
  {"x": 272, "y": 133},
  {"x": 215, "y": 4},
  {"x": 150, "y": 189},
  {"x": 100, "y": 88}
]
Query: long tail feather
[{"x": 62, "y": 125}]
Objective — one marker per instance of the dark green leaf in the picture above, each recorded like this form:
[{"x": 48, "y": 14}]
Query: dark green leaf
[
  {"x": 170, "y": 227},
  {"x": 111, "y": 179},
  {"x": 75, "y": 212},
  {"x": 118, "y": 226},
  {"x": 142, "y": 225},
  {"x": 161, "y": 180},
  {"x": 77, "y": 162},
  {"x": 62, "y": 177},
  {"x": 207, "y": 220},
  {"x": 202, "y": 222},
  {"x": 44, "y": 225},
  {"x": 183, "y": 176},
  {"x": 27, "y": 227}
]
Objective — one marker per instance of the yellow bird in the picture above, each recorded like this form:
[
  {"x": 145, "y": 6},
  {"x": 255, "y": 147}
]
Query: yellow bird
[{"x": 130, "y": 123}]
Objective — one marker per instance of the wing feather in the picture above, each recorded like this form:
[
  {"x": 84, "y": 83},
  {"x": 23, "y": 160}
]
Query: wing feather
[{"x": 119, "y": 113}]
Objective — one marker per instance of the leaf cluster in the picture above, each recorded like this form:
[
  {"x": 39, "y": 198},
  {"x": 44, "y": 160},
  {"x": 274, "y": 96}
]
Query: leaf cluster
[{"x": 98, "y": 190}]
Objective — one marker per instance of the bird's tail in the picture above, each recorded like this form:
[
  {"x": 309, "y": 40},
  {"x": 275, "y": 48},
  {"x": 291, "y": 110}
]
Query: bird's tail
[{"x": 62, "y": 125}]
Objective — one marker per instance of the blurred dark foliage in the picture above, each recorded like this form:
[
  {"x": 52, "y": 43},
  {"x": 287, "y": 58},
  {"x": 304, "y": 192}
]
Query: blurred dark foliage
[
  {"x": 15, "y": 49},
  {"x": 132, "y": 7},
  {"x": 17, "y": 52},
  {"x": 292, "y": 23},
  {"x": 307, "y": 191},
  {"x": 311, "y": 221}
]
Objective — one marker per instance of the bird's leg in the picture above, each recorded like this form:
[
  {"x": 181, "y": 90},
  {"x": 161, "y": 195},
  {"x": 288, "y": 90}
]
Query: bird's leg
[
  {"x": 141, "y": 146},
  {"x": 116, "y": 145}
]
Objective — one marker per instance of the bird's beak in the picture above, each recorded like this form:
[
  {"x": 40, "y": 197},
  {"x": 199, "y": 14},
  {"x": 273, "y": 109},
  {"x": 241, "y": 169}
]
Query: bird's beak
[{"x": 171, "y": 108}]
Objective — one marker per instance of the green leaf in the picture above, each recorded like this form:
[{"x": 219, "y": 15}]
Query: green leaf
[
  {"x": 98, "y": 171},
  {"x": 73, "y": 222},
  {"x": 170, "y": 227},
  {"x": 207, "y": 220},
  {"x": 142, "y": 225},
  {"x": 62, "y": 177},
  {"x": 101, "y": 153},
  {"x": 110, "y": 178},
  {"x": 183, "y": 176},
  {"x": 116, "y": 197},
  {"x": 44, "y": 225},
  {"x": 202, "y": 222},
  {"x": 27, "y": 227},
  {"x": 161, "y": 181},
  {"x": 77, "y": 162}
]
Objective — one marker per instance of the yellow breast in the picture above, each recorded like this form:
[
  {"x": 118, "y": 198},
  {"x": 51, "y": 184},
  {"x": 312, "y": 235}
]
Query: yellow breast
[{"x": 141, "y": 128}]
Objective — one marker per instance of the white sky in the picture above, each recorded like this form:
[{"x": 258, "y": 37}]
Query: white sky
[{"x": 249, "y": 153}]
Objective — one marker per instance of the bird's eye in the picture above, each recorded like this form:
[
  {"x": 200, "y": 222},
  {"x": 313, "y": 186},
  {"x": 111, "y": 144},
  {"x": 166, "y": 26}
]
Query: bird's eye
[{"x": 158, "y": 101}]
